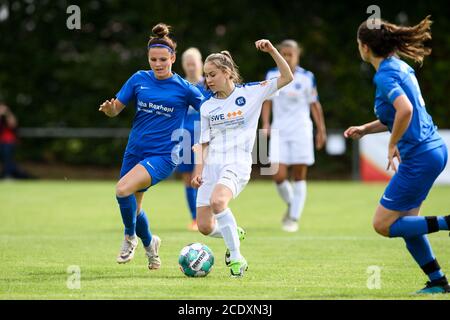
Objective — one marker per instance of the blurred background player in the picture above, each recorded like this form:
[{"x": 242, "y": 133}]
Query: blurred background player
[
  {"x": 192, "y": 63},
  {"x": 414, "y": 141},
  {"x": 229, "y": 120},
  {"x": 162, "y": 98},
  {"x": 8, "y": 143},
  {"x": 292, "y": 144}
]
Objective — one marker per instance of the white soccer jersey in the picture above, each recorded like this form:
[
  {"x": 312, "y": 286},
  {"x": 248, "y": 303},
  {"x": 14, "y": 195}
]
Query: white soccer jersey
[
  {"x": 229, "y": 125},
  {"x": 291, "y": 107}
]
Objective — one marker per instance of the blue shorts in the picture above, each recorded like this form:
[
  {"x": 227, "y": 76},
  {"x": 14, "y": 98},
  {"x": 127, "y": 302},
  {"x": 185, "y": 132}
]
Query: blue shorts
[
  {"x": 415, "y": 176},
  {"x": 159, "y": 167},
  {"x": 185, "y": 168}
]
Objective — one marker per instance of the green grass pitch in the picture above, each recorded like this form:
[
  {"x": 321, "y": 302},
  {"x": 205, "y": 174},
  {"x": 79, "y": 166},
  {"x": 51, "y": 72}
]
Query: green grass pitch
[{"x": 47, "y": 226}]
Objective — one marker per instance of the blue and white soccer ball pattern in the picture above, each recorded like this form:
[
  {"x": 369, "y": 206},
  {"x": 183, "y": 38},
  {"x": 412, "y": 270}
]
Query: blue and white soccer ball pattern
[{"x": 196, "y": 260}]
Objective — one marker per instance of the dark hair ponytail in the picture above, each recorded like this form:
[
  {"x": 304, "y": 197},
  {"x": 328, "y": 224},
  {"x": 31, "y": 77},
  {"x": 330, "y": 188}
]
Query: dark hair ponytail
[
  {"x": 161, "y": 36},
  {"x": 409, "y": 42},
  {"x": 161, "y": 30}
]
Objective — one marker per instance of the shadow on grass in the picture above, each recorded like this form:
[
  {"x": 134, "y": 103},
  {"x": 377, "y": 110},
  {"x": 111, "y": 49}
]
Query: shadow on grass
[{"x": 133, "y": 277}]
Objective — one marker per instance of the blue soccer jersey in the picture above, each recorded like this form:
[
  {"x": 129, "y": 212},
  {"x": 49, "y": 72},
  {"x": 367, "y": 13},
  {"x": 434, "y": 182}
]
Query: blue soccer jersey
[
  {"x": 395, "y": 78},
  {"x": 161, "y": 106}
]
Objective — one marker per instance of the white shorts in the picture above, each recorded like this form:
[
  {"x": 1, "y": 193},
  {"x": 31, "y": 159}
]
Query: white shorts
[
  {"x": 235, "y": 176},
  {"x": 300, "y": 151}
]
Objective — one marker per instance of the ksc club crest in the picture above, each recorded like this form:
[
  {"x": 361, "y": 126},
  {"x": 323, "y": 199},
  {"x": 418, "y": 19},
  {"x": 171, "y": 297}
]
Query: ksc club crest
[{"x": 240, "y": 101}]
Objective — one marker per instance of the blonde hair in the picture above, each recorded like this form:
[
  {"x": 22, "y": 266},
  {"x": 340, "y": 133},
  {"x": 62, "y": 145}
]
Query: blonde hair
[
  {"x": 224, "y": 62},
  {"x": 192, "y": 52},
  {"x": 290, "y": 43}
]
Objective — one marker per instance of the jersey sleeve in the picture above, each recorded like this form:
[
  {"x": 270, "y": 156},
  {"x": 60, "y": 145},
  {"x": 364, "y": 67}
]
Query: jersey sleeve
[
  {"x": 389, "y": 86},
  {"x": 265, "y": 89},
  {"x": 270, "y": 75},
  {"x": 195, "y": 97},
  {"x": 127, "y": 92},
  {"x": 205, "y": 129},
  {"x": 313, "y": 95}
]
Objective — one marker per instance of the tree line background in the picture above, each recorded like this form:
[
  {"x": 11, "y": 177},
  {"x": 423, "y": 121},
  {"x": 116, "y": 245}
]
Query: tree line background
[{"x": 55, "y": 77}]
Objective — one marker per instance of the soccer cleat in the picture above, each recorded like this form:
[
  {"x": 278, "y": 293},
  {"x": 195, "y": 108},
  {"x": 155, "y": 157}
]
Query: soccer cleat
[
  {"x": 290, "y": 225},
  {"x": 128, "y": 249},
  {"x": 435, "y": 286},
  {"x": 193, "y": 226},
  {"x": 238, "y": 267},
  {"x": 154, "y": 262},
  {"x": 241, "y": 233}
]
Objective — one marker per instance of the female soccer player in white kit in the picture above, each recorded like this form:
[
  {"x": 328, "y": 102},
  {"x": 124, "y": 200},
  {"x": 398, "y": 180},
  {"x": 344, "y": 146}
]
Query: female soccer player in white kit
[
  {"x": 292, "y": 141},
  {"x": 228, "y": 122}
]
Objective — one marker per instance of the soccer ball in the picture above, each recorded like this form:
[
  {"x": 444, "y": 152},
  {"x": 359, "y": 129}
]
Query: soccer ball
[{"x": 196, "y": 260}]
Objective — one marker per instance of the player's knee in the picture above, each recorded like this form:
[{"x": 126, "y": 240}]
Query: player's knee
[
  {"x": 218, "y": 203},
  {"x": 279, "y": 177},
  {"x": 123, "y": 190},
  {"x": 299, "y": 176},
  {"x": 205, "y": 227},
  {"x": 381, "y": 228}
]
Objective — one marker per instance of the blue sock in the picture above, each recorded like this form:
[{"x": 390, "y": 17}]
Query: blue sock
[
  {"x": 413, "y": 226},
  {"x": 128, "y": 211},
  {"x": 420, "y": 249},
  {"x": 191, "y": 195},
  {"x": 142, "y": 229}
]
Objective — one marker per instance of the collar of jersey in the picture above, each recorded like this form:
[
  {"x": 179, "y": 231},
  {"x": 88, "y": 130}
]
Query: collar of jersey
[
  {"x": 386, "y": 60},
  {"x": 221, "y": 99},
  {"x": 152, "y": 75}
]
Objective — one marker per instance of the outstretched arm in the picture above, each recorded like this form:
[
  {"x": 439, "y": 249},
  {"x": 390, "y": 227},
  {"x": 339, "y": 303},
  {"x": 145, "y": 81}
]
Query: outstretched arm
[
  {"x": 357, "y": 132},
  {"x": 111, "y": 107},
  {"x": 283, "y": 67}
]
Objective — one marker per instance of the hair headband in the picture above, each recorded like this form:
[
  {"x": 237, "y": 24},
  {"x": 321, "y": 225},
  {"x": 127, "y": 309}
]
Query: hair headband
[{"x": 160, "y": 45}]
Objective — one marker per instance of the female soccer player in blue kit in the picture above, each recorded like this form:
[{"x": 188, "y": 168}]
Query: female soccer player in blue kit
[
  {"x": 414, "y": 141},
  {"x": 162, "y": 99},
  {"x": 192, "y": 64}
]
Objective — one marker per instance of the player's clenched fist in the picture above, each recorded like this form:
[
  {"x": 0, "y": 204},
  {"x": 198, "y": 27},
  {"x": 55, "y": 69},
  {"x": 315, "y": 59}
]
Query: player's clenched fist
[
  {"x": 196, "y": 181},
  {"x": 264, "y": 45}
]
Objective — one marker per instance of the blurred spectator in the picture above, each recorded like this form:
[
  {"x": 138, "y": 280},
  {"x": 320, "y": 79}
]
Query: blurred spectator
[{"x": 8, "y": 142}]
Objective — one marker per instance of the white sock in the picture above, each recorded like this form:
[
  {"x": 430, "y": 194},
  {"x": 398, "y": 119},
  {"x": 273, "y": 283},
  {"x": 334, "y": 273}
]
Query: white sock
[
  {"x": 285, "y": 191},
  {"x": 298, "y": 200},
  {"x": 216, "y": 231},
  {"x": 228, "y": 228}
]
